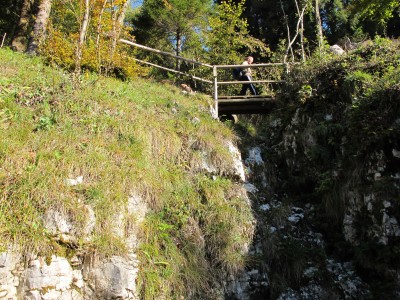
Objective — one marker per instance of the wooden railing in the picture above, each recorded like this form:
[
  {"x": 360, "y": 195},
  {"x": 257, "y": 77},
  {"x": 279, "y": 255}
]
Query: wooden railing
[
  {"x": 170, "y": 55},
  {"x": 215, "y": 82}
]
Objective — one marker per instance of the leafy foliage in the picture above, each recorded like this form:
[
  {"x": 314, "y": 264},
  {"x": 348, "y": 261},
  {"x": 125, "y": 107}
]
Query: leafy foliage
[
  {"x": 177, "y": 22},
  {"x": 378, "y": 10},
  {"x": 228, "y": 40}
]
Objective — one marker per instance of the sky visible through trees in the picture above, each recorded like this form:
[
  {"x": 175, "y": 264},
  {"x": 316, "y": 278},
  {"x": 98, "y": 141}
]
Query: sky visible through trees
[{"x": 83, "y": 34}]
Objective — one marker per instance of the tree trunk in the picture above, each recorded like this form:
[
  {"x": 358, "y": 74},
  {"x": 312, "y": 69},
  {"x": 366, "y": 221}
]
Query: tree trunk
[
  {"x": 288, "y": 33},
  {"x": 99, "y": 23},
  {"x": 98, "y": 50},
  {"x": 82, "y": 35},
  {"x": 39, "y": 29},
  {"x": 119, "y": 23},
  {"x": 178, "y": 49},
  {"x": 301, "y": 16},
  {"x": 20, "y": 39},
  {"x": 319, "y": 25}
]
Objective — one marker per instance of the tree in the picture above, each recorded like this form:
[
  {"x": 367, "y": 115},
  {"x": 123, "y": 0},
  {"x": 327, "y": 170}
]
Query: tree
[
  {"x": 39, "y": 28},
  {"x": 173, "y": 21},
  {"x": 228, "y": 39},
  {"x": 377, "y": 10},
  {"x": 375, "y": 15},
  {"x": 9, "y": 17},
  {"x": 20, "y": 39},
  {"x": 118, "y": 16},
  {"x": 299, "y": 30},
  {"x": 320, "y": 35},
  {"x": 82, "y": 35},
  {"x": 336, "y": 19}
]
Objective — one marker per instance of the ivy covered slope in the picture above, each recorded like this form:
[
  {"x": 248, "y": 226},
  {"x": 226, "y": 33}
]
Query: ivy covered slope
[
  {"x": 335, "y": 144},
  {"x": 84, "y": 150}
]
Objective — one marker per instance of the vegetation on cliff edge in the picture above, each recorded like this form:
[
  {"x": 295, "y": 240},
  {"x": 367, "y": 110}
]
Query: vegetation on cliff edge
[
  {"x": 122, "y": 139},
  {"x": 333, "y": 145}
]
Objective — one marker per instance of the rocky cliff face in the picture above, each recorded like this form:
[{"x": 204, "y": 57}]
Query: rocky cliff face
[
  {"x": 78, "y": 273},
  {"x": 81, "y": 273},
  {"x": 327, "y": 176}
]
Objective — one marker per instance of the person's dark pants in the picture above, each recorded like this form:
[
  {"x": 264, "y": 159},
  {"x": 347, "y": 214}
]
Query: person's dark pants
[{"x": 249, "y": 86}]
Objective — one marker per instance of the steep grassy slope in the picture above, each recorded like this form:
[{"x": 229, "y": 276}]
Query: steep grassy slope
[{"x": 117, "y": 140}]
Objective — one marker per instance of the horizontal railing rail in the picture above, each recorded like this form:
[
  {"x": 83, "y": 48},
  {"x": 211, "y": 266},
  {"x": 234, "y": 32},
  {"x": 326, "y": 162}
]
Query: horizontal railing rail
[
  {"x": 251, "y": 81},
  {"x": 165, "y": 53},
  {"x": 214, "y": 68},
  {"x": 172, "y": 70}
]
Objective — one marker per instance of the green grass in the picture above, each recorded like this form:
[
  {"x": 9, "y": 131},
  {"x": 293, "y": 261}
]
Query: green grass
[{"x": 123, "y": 138}]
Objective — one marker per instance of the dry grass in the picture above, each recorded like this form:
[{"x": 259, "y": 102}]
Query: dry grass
[{"x": 122, "y": 138}]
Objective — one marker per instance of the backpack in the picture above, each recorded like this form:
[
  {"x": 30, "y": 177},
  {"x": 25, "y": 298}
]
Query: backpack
[{"x": 237, "y": 73}]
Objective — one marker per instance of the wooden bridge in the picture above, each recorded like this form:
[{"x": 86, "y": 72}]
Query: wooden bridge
[
  {"x": 228, "y": 105},
  {"x": 225, "y": 104}
]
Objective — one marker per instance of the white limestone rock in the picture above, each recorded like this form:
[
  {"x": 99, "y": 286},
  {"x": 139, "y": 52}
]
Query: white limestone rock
[
  {"x": 349, "y": 231},
  {"x": 297, "y": 215},
  {"x": 296, "y": 117},
  {"x": 336, "y": 49},
  {"x": 202, "y": 161},
  {"x": 114, "y": 278},
  {"x": 8, "y": 279},
  {"x": 57, "y": 222},
  {"x": 60, "y": 224},
  {"x": 390, "y": 225},
  {"x": 74, "y": 181},
  {"x": 310, "y": 292},
  {"x": 90, "y": 221},
  {"x": 344, "y": 276},
  {"x": 207, "y": 166},
  {"x": 254, "y": 157},
  {"x": 396, "y": 153},
  {"x": 57, "y": 274},
  {"x": 237, "y": 167},
  {"x": 275, "y": 123},
  {"x": 265, "y": 207},
  {"x": 250, "y": 188},
  {"x": 137, "y": 206}
]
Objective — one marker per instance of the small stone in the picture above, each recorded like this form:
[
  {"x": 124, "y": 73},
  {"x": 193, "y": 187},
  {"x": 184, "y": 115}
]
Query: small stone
[
  {"x": 74, "y": 181},
  {"x": 386, "y": 204},
  {"x": 195, "y": 121},
  {"x": 265, "y": 207},
  {"x": 396, "y": 153},
  {"x": 272, "y": 229}
]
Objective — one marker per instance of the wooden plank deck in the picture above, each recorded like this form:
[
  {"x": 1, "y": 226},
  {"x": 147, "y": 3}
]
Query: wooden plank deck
[{"x": 246, "y": 104}]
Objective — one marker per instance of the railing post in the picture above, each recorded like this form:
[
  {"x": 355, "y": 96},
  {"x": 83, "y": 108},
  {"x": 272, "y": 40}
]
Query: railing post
[
  {"x": 2, "y": 42},
  {"x": 215, "y": 73},
  {"x": 287, "y": 68}
]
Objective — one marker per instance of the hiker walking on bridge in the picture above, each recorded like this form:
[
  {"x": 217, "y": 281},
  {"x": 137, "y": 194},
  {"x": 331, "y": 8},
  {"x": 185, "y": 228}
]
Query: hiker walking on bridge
[{"x": 246, "y": 76}]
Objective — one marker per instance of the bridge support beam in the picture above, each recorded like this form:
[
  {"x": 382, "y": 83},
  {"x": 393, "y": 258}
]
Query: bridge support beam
[{"x": 215, "y": 74}]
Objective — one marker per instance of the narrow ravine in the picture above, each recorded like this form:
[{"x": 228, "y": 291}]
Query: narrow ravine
[
  {"x": 288, "y": 257},
  {"x": 323, "y": 175}
]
